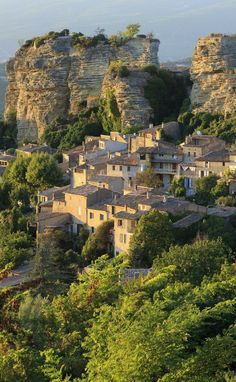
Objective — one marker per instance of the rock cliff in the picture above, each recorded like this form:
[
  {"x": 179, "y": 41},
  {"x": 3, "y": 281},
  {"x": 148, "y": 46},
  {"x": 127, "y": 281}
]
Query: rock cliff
[
  {"x": 53, "y": 79},
  {"x": 213, "y": 74}
]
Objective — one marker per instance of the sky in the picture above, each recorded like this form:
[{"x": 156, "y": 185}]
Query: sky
[{"x": 177, "y": 23}]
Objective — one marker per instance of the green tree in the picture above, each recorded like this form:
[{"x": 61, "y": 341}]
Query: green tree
[
  {"x": 131, "y": 30},
  {"x": 177, "y": 187},
  {"x": 98, "y": 243},
  {"x": 149, "y": 178},
  {"x": 204, "y": 188},
  {"x": 194, "y": 261},
  {"x": 43, "y": 172},
  {"x": 153, "y": 235}
]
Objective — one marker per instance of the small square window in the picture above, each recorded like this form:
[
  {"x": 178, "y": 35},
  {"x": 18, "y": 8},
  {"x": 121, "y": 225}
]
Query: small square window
[
  {"x": 113, "y": 168},
  {"x": 91, "y": 215}
]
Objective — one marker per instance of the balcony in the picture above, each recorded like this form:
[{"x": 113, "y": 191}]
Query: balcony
[{"x": 166, "y": 171}]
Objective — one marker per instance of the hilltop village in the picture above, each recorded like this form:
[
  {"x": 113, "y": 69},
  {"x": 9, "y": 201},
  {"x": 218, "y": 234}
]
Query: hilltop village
[
  {"x": 118, "y": 211},
  {"x": 122, "y": 177}
]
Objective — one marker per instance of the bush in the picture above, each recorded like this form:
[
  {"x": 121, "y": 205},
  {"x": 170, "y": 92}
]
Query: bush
[
  {"x": 151, "y": 69},
  {"x": 177, "y": 187},
  {"x": 119, "y": 69},
  {"x": 165, "y": 92},
  {"x": 226, "y": 201}
]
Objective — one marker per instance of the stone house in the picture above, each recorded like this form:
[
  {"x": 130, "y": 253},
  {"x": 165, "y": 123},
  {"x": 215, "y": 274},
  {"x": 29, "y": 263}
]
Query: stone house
[
  {"x": 195, "y": 147},
  {"x": 123, "y": 166},
  {"x": 50, "y": 194},
  {"x": 77, "y": 200},
  {"x": 164, "y": 158},
  {"x": 113, "y": 183},
  {"x": 30, "y": 149},
  {"x": 5, "y": 160},
  {"x": 103, "y": 147}
]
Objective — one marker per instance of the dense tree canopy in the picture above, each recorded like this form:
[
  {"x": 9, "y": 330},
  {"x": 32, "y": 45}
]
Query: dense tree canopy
[{"x": 153, "y": 234}]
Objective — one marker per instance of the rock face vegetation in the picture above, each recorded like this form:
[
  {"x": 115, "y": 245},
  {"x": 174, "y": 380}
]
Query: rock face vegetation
[{"x": 53, "y": 75}]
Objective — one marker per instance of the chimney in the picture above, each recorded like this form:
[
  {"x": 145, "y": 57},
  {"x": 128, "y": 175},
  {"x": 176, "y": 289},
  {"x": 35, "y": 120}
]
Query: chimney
[
  {"x": 162, "y": 125},
  {"x": 150, "y": 125},
  {"x": 148, "y": 195}
]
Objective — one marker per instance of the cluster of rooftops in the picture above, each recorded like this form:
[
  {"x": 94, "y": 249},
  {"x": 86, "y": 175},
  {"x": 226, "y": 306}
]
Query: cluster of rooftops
[
  {"x": 103, "y": 180},
  {"x": 102, "y": 176}
]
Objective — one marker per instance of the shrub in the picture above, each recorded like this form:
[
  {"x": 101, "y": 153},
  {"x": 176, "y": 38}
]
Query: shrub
[{"x": 119, "y": 69}]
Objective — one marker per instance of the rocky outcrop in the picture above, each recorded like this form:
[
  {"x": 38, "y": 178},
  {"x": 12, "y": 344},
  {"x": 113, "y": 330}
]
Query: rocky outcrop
[
  {"x": 128, "y": 91},
  {"x": 52, "y": 80},
  {"x": 213, "y": 73}
]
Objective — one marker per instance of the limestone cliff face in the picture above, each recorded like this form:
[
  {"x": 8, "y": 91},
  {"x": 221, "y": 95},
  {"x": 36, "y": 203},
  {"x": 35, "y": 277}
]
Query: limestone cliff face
[
  {"x": 134, "y": 108},
  {"x": 213, "y": 74},
  {"x": 53, "y": 79}
]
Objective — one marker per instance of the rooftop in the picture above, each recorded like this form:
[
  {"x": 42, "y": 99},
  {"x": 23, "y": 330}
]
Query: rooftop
[
  {"x": 125, "y": 160},
  {"x": 6, "y": 157},
  {"x": 84, "y": 190},
  {"x": 162, "y": 147},
  {"x": 215, "y": 156},
  {"x": 53, "y": 190},
  {"x": 32, "y": 148},
  {"x": 187, "y": 221},
  {"x": 129, "y": 216},
  {"x": 104, "y": 178}
]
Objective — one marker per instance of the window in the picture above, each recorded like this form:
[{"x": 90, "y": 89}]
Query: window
[
  {"x": 120, "y": 223},
  {"x": 120, "y": 168},
  {"x": 189, "y": 154},
  {"x": 174, "y": 166},
  {"x": 123, "y": 238},
  {"x": 113, "y": 168},
  {"x": 101, "y": 217},
  {"x": 223, "y": 164},
  {"x": 195, "y": 154},
  {"x": 92, "y": 229},
  {"x": 142, "y": 156},
  {"x": 113, "y": 210},
  {"x": 206, "y": 164},
  {"x": 91, "y": 215},
  {"x": 128, "y": 168}
]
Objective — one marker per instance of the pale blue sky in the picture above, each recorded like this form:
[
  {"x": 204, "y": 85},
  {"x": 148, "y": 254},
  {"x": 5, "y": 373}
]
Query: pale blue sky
[{"x": 178, "y": 23}]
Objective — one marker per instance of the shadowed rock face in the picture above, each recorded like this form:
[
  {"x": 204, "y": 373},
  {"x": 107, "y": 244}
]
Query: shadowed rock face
[
  {"x": 213, "y": 74},
  {"x": 52, "y": 80}
]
